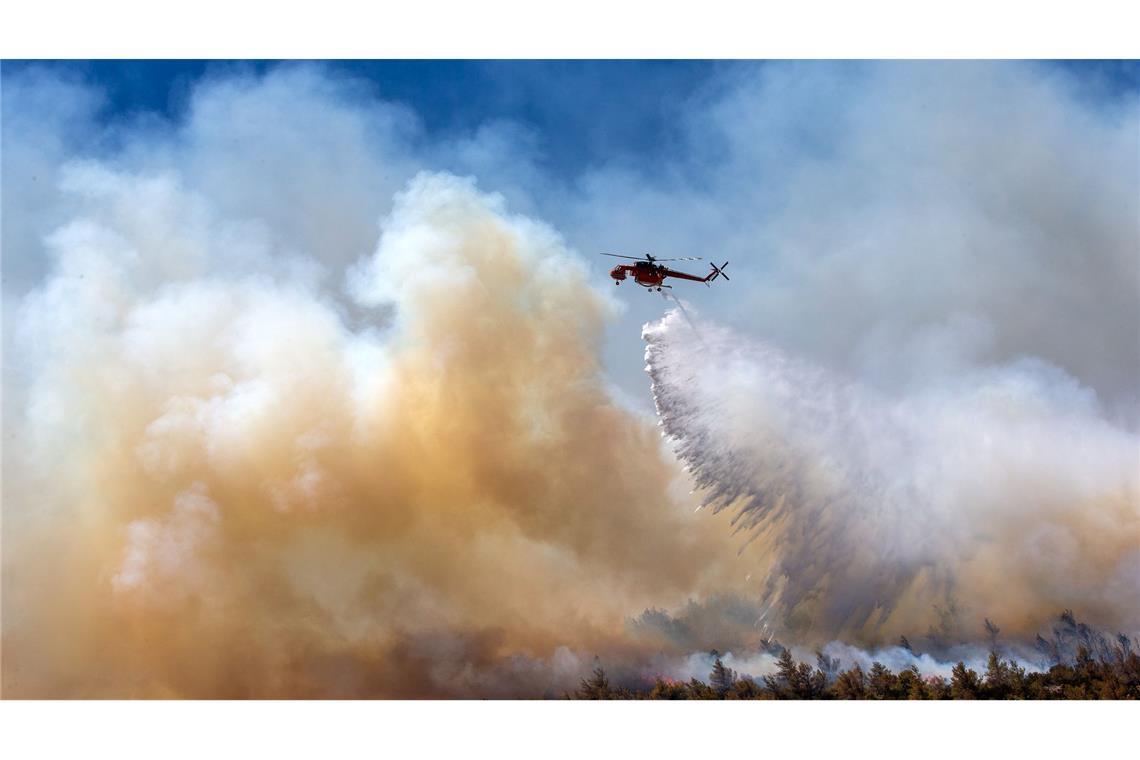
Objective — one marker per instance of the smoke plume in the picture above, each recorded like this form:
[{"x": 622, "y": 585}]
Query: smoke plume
[{"x": 229, "y": 491}]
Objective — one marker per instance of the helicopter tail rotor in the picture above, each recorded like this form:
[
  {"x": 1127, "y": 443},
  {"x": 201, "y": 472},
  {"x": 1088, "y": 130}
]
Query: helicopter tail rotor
[{"x": 717, "y": 272}]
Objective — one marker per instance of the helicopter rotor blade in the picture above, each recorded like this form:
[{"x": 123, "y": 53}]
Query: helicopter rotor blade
[
  {"x": 619, "y": 256},
  {"x": 717, "y": 272}
]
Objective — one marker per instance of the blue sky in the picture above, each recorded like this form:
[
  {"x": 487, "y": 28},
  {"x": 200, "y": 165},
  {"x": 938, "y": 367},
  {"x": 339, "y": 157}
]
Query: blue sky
[{"x": 582, "y": 113}]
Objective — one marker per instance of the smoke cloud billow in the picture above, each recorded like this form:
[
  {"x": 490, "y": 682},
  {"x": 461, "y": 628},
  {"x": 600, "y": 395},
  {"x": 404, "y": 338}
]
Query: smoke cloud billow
[
  {"x": 230, "y": 492},
  {"x": 999, "y": 492}
]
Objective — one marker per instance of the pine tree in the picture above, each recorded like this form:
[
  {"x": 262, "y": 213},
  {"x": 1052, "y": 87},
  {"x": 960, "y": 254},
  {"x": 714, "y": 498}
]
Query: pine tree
[
  {"x": 663, "y": 689},
  {"x": 596, "y": 687},
  {"x": 997, "y": 678},
  {"x": 992, "y": 631},
  {"x": 700, "y": 690},
  {"x": 721, "y": 678},
  {"x": 909, "y": 684},
  {"x": 795, "y": 680},
  {"x": 745, "y": 688},
  {"x": 851, "y": 684},
  {"x": 937, "y": 688},
  {"x": 881, "y": 682},
  {"x": 782, "y": 685},
  {"x": 827, "y": 665},
  {"x": 964, "y": 683}
]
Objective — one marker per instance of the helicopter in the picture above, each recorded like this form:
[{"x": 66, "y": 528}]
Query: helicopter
[{"x": 649, "y": 273}]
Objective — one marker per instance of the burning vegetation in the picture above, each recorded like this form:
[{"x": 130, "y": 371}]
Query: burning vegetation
[{"x": 1082, "y": 663}]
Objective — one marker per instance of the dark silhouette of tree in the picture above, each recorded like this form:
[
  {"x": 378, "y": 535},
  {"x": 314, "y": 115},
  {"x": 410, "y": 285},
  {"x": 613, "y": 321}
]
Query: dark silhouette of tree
[
  {"x": 1069, "y": 635},
  {"x": 795, "y": 680},
  {"x": 1048, "y": 649},
  {"x": 1124, "y": 643},
  {"x": 596, "y": 687},
  {"x": 829, "y": 666},
  {"x": 781, "y": 685},
  {"x": 721, "y": 679},
  {"x": 992, "y": 631}
]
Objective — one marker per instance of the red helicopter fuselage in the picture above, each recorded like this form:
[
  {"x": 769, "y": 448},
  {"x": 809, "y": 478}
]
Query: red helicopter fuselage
[{"x": 651, "y": 275}]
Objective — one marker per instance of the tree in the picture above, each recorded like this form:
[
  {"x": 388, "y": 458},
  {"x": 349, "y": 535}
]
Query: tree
[
  {"x": 721, "y": 678},
  {"x": 1003, "y": 679},
  {"x": 663, "y": 689},
  {"x": 700, "y": 690},
  {"x": 596, "y": 687},
  {"x": 1130, "y": 673},
  {"x": 745, "y": 688},
  {"x": 996, "y": 676},
  {"x": 937, "y": 688},
  {"x": 992, "y": 631},
  {"x": 795, "y": 680},
  {"x": 910, "y": 685},
  {"x": 881, "y": 682},
  {"x": 964, "y": 683},
  {"x": 827, "y": 665},
  {"x": 781, "y": 685},
  {"x": 851, "y": 684},
  {"x": 1089, "y": 665}
]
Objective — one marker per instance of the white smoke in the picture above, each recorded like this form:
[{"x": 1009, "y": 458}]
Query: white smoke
[
  {"x": 899, "y": 221},
  {"x": 1001, "y": 492},
  {"x": 162, "y": 553}
]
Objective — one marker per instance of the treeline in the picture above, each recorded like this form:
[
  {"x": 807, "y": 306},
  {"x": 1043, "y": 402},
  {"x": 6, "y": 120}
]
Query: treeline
[{"x": 1098, "y": 670}]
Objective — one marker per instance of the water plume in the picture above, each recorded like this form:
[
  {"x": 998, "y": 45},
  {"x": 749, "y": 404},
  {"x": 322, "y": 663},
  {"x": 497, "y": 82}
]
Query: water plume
[{"x": 1000, "y": 492}]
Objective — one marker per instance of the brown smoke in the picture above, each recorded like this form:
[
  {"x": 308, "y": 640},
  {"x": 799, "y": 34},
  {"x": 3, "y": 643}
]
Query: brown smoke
[{"x": 223, "y": 490}]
